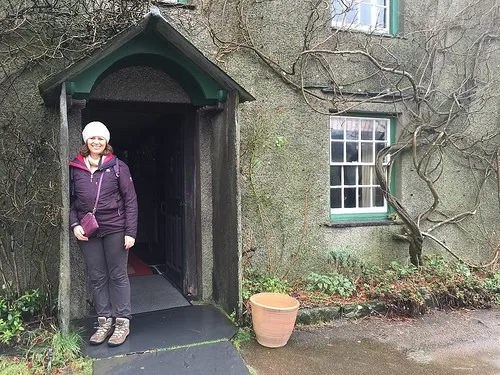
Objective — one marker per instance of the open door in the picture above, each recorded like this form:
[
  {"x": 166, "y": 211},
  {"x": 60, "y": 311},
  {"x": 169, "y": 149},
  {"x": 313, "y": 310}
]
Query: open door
[
  {"x": 171, "y": 191},
  {"x": 158, "y": 149}
]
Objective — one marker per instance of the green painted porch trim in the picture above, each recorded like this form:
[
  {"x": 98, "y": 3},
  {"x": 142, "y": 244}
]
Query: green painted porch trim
[
  {"x": 371, "y": 216},
  {"x": 394, "y": 17},
  {"x": 150, "y": 50}
]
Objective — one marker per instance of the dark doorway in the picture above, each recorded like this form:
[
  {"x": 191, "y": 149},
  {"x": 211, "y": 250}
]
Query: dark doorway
[{"x": 156, "y": 142}]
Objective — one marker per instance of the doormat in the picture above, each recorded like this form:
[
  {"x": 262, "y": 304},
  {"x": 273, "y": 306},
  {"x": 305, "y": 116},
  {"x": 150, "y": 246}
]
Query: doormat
[
  {"x": 164, "y": 329},
  {"x": 136, "y": 267},
  {"x": 213, "y": 358}
]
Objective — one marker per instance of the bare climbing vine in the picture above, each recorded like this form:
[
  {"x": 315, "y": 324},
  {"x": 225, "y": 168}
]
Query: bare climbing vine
[
  {"x": 444, "y": 85},
  {"x": 37, "y": 38}
]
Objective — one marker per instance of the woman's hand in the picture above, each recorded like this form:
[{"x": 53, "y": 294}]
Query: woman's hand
[
  {"x": 79, "y": 233},
  {"x": 129, "y": 242}
]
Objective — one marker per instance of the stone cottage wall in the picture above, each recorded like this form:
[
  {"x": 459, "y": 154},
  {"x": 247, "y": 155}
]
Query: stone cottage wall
[
  {"x": 284, "y": 142},
  {"x": 285, "y": 145}
]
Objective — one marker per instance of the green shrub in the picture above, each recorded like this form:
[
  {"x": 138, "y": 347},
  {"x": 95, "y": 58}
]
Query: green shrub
[
  {"x": 30, "y": 303},
  {"x": 492, "y": 285},
  {"x": 11, "y": 325},
  {"x": 264, "y": 283},
  {"x": 408, "y": 290},
  {"x": 14, "y": 312},
  {"x": 46, "y": 349},
  {"x": 333, "y": 283},
  {"x": 341, "y": 260},
  {"x": 405, "y": 289}
]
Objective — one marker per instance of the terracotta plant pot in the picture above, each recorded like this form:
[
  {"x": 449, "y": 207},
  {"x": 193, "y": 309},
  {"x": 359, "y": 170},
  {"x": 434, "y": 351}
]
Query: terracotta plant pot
[{"x": 273, "y": 318}]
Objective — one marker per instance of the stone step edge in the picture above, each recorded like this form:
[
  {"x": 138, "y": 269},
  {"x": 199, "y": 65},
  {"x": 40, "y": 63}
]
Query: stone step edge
[{"x": 314, "y": 315}]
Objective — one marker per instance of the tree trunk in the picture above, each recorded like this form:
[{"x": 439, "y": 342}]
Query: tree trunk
[
  {"x": 413, "y": 233},
  {"x": 415, "y": 250}
]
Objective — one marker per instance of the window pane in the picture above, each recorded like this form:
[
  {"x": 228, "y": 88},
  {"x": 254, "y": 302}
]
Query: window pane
[
  {"x": 381, "y": 2},
  {"x": 365, "y": 197},
  {"x": 337, "y": 152},
  {"x": 367, "y": 153},
  {"x": 335, "y": 198},
  {"x": 381, "y": 19},
  {"x": 335, "y": 173},
  {"x": 345, "y": 11},
  {"x": 351, "y": 151},
  {"x": 367, "y": 129},
  {"x": 365, "y": 14},
  {"x": 337, "y": 7},
  {"x": 340, "y": 6},
  {"x": 352, "y": 129},
  {"x": 350, "y": 175},
  {"x": 378, "y": 197},
  {"x": 337, "y": 125},
  {"x": 378, "y": 146},
  {"x": 337, "y": 133},
  {"x": 365, "y": 173},
  {"x": 366, "y": 136},
  {"x": 350, "y": 16},
  {"x": 350, "y": 197},
  {"x": 381, "y": 130}
]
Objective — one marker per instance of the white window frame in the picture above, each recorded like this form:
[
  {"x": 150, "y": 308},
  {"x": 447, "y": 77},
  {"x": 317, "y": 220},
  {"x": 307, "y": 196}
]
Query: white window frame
[
  {"x": 335, "y": 121},
  {"x": 340, "y": 19}
]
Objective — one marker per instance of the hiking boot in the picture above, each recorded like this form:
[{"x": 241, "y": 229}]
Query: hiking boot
[
  {"x": 104, "y": 330},
  {"x": 121, "y": 332}
]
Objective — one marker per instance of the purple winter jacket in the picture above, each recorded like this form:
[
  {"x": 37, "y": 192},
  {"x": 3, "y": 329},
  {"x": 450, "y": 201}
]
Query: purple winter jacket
[{"x": 117, "y": 206}]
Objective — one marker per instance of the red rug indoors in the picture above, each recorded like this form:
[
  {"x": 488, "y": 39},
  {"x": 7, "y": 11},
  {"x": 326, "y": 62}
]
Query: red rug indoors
[{"x": 137, "y": 267}]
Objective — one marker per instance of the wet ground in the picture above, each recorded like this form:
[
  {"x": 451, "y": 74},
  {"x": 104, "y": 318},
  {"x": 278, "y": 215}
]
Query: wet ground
[{"x": 439, "y": 343}]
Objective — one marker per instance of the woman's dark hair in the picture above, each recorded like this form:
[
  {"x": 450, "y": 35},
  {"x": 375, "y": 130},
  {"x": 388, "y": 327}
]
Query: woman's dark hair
[{"x": 84, "y": 150}]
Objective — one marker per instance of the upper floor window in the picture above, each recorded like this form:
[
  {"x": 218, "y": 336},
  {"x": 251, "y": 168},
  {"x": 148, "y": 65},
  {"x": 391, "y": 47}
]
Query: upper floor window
[
  {"x": 372, "y": 16},
  {"x": 354, "y": 144}
]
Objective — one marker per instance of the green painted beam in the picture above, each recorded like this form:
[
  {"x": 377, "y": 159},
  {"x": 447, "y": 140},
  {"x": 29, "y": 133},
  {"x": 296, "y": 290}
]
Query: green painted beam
[{"x": 148, "y": 49}]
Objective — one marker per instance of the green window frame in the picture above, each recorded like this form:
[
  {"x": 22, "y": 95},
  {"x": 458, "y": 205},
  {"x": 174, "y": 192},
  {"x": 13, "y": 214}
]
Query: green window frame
[
  {"x": 355, "y": 194},
  {"x": 370, "y": 16}
]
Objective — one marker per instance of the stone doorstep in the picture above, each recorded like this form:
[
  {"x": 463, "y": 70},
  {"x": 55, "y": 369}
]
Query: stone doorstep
[{"x": 315, "y": 315}]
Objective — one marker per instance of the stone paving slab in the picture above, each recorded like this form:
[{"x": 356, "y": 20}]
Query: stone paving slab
[
  {"x": 164, "y": 329},
  {"x": 214, "y": 358}
]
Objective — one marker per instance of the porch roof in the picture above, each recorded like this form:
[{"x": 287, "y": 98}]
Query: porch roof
[{"x": 164, "y": 41}]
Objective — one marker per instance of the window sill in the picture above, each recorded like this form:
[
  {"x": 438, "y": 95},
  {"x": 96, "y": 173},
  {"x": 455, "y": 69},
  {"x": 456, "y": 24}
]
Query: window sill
[
  {"x": 361, "y": 223},
  {"x": 375, "y": 34}
]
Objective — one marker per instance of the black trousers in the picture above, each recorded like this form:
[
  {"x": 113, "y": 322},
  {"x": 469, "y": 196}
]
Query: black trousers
[{"x": 106, "y": 260}]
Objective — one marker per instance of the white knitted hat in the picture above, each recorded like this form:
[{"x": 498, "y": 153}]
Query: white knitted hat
[{"x": 95, "y": 129}]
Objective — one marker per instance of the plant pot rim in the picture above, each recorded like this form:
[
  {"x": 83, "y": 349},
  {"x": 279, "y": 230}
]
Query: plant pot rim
[{"x": 296, "y": 303}]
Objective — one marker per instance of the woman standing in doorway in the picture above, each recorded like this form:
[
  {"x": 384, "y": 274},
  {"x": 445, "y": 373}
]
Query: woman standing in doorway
[{"x": 99, "y": 179}]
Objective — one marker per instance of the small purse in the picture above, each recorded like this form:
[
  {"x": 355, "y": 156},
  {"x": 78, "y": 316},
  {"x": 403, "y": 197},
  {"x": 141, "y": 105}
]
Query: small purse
[
  {"x": 89, "y": 224},
  {"x": 88, "y": 221}
]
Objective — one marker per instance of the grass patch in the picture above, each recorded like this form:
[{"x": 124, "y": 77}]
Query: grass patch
[
  {"x": 244, "y": 334},
  {"x": 44, "y": 350}
]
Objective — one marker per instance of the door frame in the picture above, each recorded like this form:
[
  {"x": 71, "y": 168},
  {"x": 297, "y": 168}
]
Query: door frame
[
  {"x": 191, "y": 240},
  {"x": 192, "y": 207}
]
